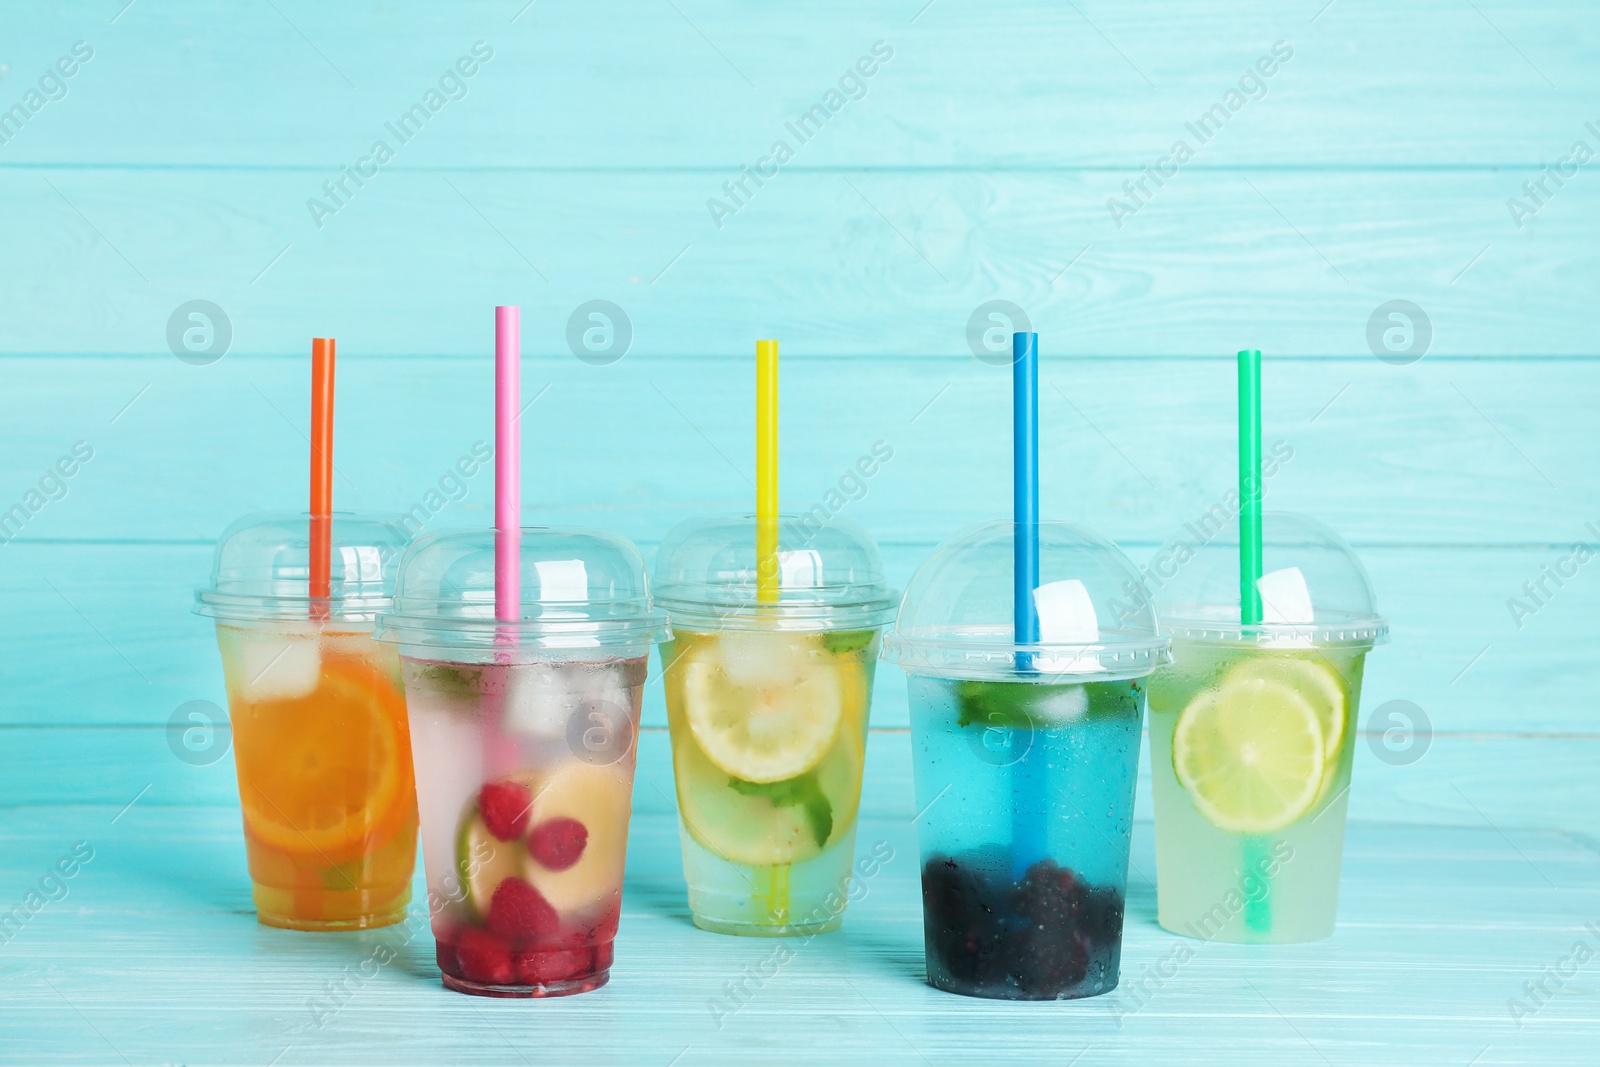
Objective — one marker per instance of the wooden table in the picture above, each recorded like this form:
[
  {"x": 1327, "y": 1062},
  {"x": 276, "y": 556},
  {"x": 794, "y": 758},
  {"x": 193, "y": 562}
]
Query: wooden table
[{"x": 154, "y": 956}]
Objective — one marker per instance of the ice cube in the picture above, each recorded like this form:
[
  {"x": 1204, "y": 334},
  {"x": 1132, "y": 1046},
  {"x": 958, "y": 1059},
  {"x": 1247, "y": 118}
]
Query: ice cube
[
  {"x": 277, "y": 665},
  {"x": 540, "y": 698},
  {"x": 755, "y": 659},
  {"x": 1058, "y": 705}
]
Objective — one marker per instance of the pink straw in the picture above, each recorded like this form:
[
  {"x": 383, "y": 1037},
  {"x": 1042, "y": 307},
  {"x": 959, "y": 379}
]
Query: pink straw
[{"x": 507, "y": 466}]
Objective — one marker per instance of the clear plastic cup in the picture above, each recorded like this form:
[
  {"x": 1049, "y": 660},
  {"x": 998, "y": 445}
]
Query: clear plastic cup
[
  {"x": 1026, "y": 756},
  {"x": 524, "y": 739},
  {"x": 1252, "y": 730},
  {"x": 320, "y": 738},
  {"x": 767, "y": 703}
]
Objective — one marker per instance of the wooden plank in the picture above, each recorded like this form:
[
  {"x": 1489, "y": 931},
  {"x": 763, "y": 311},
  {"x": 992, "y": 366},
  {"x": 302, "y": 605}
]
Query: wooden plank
[
  {"x": 1095, "y": 84},
  {"x": 153, "y": 955},
  {"x": 1452, "y": 453},
  {"x": 1461, "y": 780},
  {"x": 848, "y": 263},
  {"x": 113, "y": 621}
]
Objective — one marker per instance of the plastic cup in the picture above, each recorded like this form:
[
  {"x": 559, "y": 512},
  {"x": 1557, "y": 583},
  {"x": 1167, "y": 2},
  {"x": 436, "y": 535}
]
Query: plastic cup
[
  {"x": 767, "y": 705},
  {"x": 523, "y": 735},
  {"x": 320, "y": 739},
  {"x": 1026, "y": 757},
  {"x": 1252, "y": 731}
]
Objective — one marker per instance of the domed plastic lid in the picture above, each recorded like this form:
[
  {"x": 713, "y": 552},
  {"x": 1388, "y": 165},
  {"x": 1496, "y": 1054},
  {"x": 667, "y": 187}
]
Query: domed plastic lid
[
  {"x": 1096, "y": 621},
  {"x": 580, "y": 589},
  {"x": 830, "y": 575},
  {"x": 1313, "y": 588},
  {"x": 262, "y": 567}
]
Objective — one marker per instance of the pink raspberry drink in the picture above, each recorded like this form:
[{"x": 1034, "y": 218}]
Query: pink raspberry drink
[{"x": 523, "y": 739}]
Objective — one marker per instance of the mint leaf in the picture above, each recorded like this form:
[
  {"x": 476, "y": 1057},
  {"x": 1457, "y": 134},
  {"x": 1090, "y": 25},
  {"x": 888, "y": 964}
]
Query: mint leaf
[
  {"x": 819, "y": 814},
  {"x": 802, "y": 790},
  {"x": 438, "y": 678},
  {"x": 846, "y": 641},
  {"x": 1002, "y": 704}
]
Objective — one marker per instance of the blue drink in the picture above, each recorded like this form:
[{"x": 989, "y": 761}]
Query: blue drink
[{"x": 1026, "y": 790}]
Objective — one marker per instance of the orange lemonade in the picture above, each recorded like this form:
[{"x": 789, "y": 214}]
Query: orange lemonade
[{"x": 323, "y": 753}]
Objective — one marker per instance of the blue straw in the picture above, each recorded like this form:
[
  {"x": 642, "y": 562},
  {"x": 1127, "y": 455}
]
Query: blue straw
[
  {"x": 1025, "y": 487},
  {"x": 1029, "y": 788}
]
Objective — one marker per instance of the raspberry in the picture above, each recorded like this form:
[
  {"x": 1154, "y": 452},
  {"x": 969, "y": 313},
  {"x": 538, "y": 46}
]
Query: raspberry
[
  {"x": 504, "y": 807},
  {"x": 557, "y": 843},
  {"x": 557, "y": 965},
  {"x": 484, "y": 957},
  {"x": 603, "y": 955},
  {"x": 519, "y": 913}
]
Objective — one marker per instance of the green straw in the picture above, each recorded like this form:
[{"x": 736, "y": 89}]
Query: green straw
[
  {"x": 1249, "y": 486},
  {"x": 1257, "y": 913}
]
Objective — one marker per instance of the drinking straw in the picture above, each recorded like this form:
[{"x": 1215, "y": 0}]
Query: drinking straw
[
  {"x": 500, "y": 755},
  {"x": 1257, "y": 913},
  {"x": 507, "y": 469},
  {"x": 1025, "y": 488},
  {"x": 767, "y": 471},
  {"x": 1029, "y": 827},
  {"x": 322, "y": 353},
  {"x": 1249, "y": 486},
  {"x": 776, "y": 897}
]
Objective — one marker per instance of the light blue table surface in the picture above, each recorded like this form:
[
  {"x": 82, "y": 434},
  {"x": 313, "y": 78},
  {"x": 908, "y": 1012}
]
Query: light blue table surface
[{"x": 1395, "y": 152}]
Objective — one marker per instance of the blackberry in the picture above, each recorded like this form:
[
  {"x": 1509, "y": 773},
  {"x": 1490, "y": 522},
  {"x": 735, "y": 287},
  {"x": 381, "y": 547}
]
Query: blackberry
[
  {"x": 1034, "y": 938},
  {"x": 1102, "y": 916},
  {"x": 965, "y": 931},
  {"x": 1048, "y": 960},
  {"x": 1048, "y": 894}
]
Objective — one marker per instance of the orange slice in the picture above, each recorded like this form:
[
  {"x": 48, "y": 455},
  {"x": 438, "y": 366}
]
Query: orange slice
[{"x": 327, "y": 773}]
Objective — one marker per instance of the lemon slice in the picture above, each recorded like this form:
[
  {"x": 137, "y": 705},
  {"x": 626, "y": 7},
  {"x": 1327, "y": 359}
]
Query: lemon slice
[
  {"x": 1251, "y": 753},
  {"x": 1318, "y": 683},
  {"x": 762, "y": 829},
  {"x": 764, "y": 707}
]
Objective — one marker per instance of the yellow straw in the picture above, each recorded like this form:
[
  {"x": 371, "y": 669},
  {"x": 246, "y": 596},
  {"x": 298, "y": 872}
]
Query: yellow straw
[{"x": 767, "y": 471}]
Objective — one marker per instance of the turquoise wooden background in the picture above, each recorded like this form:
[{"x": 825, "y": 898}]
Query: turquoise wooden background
[{"x": 575, "y": 164}]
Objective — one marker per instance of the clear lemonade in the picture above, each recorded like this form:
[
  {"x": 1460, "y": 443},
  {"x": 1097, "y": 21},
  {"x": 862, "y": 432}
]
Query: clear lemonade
[
  {"x": 768, "y": 741},
  {"x": 1250, "y": 753}
]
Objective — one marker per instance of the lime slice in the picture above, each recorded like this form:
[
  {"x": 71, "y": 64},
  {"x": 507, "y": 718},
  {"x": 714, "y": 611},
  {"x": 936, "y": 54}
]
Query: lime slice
[
  {"x": 765, "y": 707},
  {"x": 483, "y": 861},
  {"x": 1314, "y": 680},
  {"x": 763, "y": 825},
  {"x": 1250, "y": 753}
]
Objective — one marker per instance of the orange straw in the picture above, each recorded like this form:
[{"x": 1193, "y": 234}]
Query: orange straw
[{"x": 321, "y": 471}]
